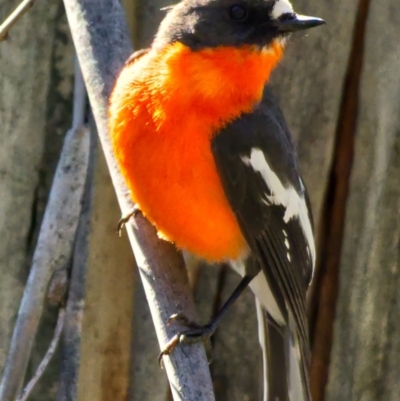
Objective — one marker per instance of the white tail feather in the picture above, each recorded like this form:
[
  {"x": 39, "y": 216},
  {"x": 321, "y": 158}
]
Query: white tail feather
[{"x": 261, "y": 337}]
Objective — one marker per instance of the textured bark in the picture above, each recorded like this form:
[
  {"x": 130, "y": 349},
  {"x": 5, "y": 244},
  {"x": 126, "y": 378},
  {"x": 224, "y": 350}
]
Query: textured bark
[
  {"x": 335, "y": 210},
  {"x": 53, "y": 252},
  {"x": 24, "y": 83},
  {"x": 107, "y": 319},
  {"x": 36, "y": 72},
  {"x": 75, "y": 302},
  {"x": 365, "y": 356},
  {"x": 148, "y": 381},
  {"x": 58, "y": 121},
  {"x": 309, "y": 85}
]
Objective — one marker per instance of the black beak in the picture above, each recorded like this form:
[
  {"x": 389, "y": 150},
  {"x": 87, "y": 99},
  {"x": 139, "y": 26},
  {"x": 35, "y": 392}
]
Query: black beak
[{"x": 294, "y": 22}]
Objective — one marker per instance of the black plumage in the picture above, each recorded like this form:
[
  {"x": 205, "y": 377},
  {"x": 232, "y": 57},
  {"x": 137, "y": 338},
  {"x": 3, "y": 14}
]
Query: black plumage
[{"x": 280, "y": 245}]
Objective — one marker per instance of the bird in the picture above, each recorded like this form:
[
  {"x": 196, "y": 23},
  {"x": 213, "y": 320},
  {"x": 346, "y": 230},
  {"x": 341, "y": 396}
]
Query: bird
[{"x": 208, "y": 158}]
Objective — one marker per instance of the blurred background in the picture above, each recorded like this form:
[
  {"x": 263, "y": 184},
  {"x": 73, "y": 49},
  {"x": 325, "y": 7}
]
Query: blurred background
[{"x": 339, "y": 88}]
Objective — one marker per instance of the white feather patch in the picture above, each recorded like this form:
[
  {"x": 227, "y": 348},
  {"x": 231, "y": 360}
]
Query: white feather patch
[
  {"x": 294, "y": 203},
  {"x": 261, "y": 289},
  {"x": 281, "y": 7},
  {"x": 261, "y": 337}
]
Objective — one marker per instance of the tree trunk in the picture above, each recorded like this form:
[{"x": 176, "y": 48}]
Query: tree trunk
[
  {"x": 366, "y": 350},
  {"x": 24, "y": 81}
]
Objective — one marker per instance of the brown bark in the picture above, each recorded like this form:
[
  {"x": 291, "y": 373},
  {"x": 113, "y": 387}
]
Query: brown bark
[
  {"x": 107, "y": 313},
  {"x": 335, "y": 212},
  {"x": 24, "y": 83},
  {"x": 366, "y": 349}
]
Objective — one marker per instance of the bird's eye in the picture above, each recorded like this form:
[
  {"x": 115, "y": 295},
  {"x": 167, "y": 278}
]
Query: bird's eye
[{"x": 238, "y": 13}]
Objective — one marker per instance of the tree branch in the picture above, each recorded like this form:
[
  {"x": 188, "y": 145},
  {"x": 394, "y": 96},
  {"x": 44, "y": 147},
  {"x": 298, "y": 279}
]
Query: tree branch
[
  {"x": 53, "y": 251},
  {"x": 14, "y": 17},
  {"x": 71, "y": 344},
  {"x": 72, "y": 337},
  {"x": 102, "y": 43},
  {"x": 47, "y": 358}
]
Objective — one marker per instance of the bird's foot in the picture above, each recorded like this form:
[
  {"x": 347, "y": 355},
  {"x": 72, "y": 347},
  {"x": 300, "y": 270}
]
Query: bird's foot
[
  {"x": 194, "y": 334},
  {"x": 125, "y": 218}
]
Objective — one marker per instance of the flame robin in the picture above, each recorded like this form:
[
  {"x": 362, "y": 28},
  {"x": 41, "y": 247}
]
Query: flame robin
[{"x": 209, "y": 160}]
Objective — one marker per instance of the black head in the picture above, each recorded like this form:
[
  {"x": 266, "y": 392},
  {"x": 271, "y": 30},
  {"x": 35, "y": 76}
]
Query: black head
[{"x": 212, "y": 23}]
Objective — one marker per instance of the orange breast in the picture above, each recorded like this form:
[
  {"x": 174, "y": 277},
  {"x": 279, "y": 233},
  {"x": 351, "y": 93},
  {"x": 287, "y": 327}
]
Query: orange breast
[{"x": 163, "y": 112}]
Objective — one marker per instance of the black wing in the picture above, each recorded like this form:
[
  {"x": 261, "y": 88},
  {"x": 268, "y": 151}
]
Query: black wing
[{"x": 257, "y": 163}]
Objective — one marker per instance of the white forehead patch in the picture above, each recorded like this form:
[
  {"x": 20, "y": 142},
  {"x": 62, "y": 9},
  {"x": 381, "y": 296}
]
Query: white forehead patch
[{"x": 281, "y": 7}]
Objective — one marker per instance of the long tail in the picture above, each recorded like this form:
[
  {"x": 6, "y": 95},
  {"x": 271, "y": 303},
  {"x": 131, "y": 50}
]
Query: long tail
[{"x": 285, "y": 365}]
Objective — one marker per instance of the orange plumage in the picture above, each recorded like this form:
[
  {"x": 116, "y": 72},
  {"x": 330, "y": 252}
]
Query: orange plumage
[{"x": 163, "y": 112}]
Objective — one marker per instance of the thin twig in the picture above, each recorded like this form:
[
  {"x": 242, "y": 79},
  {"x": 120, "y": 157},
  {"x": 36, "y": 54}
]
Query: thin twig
[
  {"x": 14, "y": 17},
  {"x": 80, "y": 97},
  {"x": 72, "y": 334},
  {"x": 53, "y": 251},
  {"x": 47, "y": 358},
  {"x": 71, "y": 344},
  {"x": 102, "y": 45}
]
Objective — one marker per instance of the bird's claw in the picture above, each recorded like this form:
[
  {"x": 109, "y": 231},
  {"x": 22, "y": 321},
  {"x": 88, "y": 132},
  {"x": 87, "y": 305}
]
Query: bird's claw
[
  {"x": 125, "y": 218},
  {"x": 169, "y": 347},
  {"x": 194, "y": 334},
  {"x": 177, "y": 317}
]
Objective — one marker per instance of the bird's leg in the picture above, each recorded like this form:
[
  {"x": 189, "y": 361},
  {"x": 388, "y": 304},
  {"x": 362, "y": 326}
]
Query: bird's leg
[
  {"x": 125, "y": 218},
  {"x": 196, "y": 333}
]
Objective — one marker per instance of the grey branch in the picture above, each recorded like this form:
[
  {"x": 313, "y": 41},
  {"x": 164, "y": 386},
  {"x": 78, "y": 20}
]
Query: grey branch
[
  {"x": 71, "y": 345},
  {"x": 47, "y": 358},
  {"x": 53, "y": 251},
  {"x": 14, "y": 17},
  {"x": 80, "y": 98},
  {"x": 102, "y": 44}
]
